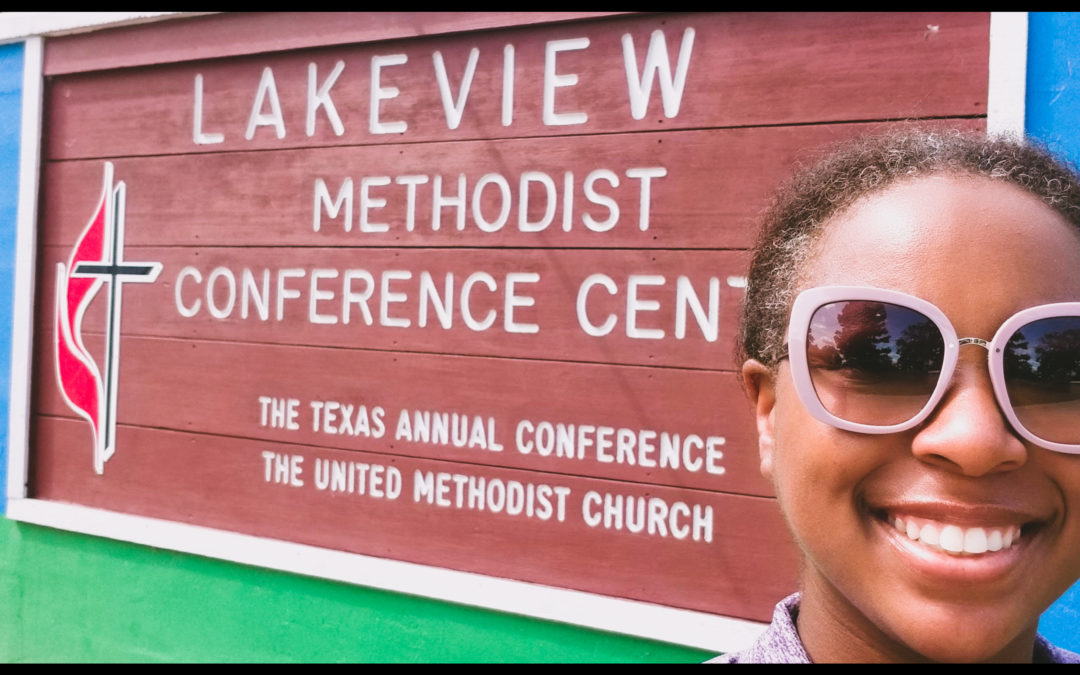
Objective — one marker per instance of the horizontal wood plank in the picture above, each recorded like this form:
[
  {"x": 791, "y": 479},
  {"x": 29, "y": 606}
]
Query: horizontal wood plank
[
  {"x": 524, "y": 303},
  {"x": 714, "y": 185},
  {"x": 540, "y": 416},
  {"x": 237, "y": 33},
  {"x": 740, "y": 564},
  {"x": 743, "y": 69}
]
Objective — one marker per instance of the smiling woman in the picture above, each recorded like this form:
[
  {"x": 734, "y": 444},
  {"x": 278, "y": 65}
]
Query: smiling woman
[{"x": 910, "y": 347}]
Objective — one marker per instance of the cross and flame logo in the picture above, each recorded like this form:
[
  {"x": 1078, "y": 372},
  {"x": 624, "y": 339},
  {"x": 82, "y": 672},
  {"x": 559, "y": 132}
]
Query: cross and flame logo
[{"x": 97, "y": 259}]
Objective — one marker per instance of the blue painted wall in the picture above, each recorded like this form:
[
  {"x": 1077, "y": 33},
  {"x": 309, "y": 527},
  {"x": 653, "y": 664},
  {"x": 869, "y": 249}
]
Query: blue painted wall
[
  {"x": 1052, "y": 115},
  {"x": 11, "y": 73},
  {"x": 1053, "y": 81}
]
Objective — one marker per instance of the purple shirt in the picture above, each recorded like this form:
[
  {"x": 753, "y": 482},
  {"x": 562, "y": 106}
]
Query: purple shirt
[{"x": 780, "y": 642}]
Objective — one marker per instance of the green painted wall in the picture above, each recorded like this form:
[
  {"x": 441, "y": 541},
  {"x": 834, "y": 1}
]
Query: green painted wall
[{"x": 70, "y": 597}]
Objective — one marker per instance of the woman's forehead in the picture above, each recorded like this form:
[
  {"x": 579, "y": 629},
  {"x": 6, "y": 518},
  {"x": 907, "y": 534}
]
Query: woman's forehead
[{"x": 938, "y": 233}]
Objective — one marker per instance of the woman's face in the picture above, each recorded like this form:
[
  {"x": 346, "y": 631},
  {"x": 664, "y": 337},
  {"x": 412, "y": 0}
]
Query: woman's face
[{"x": 981, "y": 251}]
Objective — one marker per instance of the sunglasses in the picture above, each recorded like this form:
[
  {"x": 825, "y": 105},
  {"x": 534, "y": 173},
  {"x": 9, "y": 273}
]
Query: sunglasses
[{"x": 877, "y": 362}]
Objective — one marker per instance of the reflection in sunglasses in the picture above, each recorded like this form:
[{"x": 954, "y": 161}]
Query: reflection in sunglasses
[
  {"x": 879, "y": 363},
  {"x": 873, "y": 362},
  {"x": 1043, "y": 378},
  {"x": 870, "y": 362}
]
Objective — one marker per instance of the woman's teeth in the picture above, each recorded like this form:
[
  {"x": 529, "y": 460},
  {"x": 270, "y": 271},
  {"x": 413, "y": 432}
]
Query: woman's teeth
[{"x": 957, "y": 540}]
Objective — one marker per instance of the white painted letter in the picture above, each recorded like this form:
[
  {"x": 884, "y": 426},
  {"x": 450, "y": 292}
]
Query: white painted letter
[
  {"x": 322, "y": 198},
  {"x": 513, "y": 301},
  {"x": 428, "y": 293},
  {"x": 477, "y": 196},
  {"x": 582, "y": 297},
  {"x": 410, "y": 182},
  {"x": 367, "y": 203},
  {"x": 552, "y": 80},
  {"x": 523, "y": 201},
  {"x": 386, "y": 297},
  {"x": 508, "y": 86},
  {"x": 267, "y": 90},
  {"x": 381, "y": 93},
  {"x": 603, "y": 200},
  {"x": 283, "y": 293},
  {"x": 656, "y": 62},
  {"x": 454, "y": 109},
  {"x": 349, "y": 296},
  {"x": 646, "y": 175},
  {"x": 230, "y": 284},
  {"x": 185, "y": 310},
  {"x": 321, "y": 98},
  {"x": 249, "y": 291},
  {"x": 439, "y": 202},
  {"x": 315, "y": 294},
  {"x": 633, "y": 306},
  {"x": 685, "y": 296},
  {"x": 466, "y": 313},
  {"x": 199, "y": 137}
]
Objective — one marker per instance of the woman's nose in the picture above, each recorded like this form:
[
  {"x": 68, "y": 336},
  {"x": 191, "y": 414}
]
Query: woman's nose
[{"x": 967, "y": 433}]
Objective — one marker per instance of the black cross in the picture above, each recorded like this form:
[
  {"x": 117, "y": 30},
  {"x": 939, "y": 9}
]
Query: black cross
[{"x": 98, "y": 270}]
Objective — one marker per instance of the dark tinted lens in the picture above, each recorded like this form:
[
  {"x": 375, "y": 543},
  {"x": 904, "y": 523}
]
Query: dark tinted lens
[
  {"x": 1042, "y": 376},
  {"x": 873, "y": 362}
]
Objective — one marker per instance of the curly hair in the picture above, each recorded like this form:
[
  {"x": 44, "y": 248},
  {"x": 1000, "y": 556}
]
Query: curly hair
[{"x": 802, "y": 208}]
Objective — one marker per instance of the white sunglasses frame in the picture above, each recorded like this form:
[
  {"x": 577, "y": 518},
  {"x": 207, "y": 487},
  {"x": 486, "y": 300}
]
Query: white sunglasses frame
[{"x": 809, "y": 301}]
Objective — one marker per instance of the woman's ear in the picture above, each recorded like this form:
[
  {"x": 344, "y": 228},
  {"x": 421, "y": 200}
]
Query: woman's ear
[{"x": 761, "y": 388}]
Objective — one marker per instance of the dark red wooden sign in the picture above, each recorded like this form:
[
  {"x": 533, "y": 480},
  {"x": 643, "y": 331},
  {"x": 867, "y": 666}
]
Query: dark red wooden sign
[{"x": 465, "y": 299}]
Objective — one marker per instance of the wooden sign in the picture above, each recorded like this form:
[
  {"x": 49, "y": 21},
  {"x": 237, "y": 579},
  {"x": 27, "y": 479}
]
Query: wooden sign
[{"x": 466, "y": 300}]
